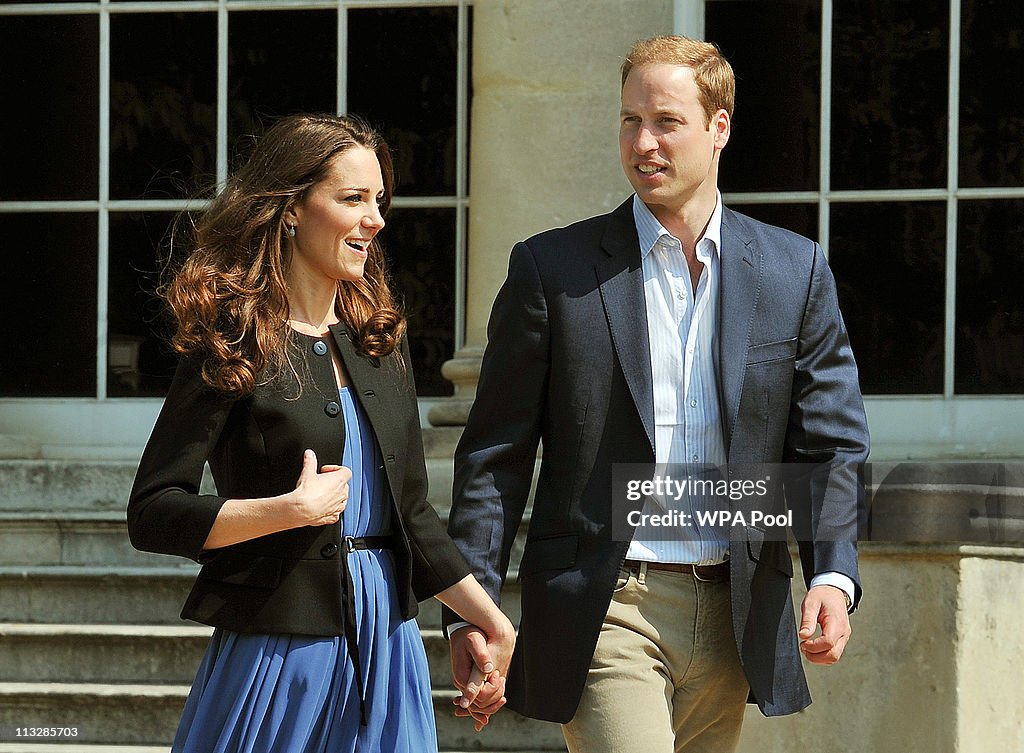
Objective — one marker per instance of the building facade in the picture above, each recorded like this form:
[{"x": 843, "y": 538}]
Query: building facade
[{"x": 886, "y": 130}]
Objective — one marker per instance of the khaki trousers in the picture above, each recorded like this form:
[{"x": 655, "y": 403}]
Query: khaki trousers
[{"x": 666, "y": 677}]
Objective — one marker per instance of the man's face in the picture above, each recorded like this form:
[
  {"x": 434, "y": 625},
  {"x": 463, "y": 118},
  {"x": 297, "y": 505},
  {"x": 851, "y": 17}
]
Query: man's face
[{"x": 668, "y": 153}]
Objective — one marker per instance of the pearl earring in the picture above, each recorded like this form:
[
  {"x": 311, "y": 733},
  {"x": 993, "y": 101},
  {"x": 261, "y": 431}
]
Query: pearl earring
[{"x": 290, "y": 230}]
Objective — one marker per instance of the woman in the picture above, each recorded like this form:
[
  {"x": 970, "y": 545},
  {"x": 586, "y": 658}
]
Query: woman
[{"x": 293, "y": 355}]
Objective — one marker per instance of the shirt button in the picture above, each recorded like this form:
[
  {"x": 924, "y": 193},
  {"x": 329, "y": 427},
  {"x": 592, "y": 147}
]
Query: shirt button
[
  {"x": 696, "y": 458},
  {"x": 332, "y": 409},
  {"x": 693, "y": 403},
  {"x": 681, "y": 296},
  {"x": 329, "y": 550},
  {"x": 320, "y": 347}
]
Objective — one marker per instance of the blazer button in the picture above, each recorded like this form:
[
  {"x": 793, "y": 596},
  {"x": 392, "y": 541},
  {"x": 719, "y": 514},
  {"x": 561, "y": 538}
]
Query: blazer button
[
  {"x": 332, "y": 409},
  {"x": 320, "y": 348},
  {"x": 329, "y": 550}
]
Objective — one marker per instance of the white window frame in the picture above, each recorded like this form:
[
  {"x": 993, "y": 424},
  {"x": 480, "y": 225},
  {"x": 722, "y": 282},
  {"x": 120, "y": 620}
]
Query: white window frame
[
  {"x": 906, "y": 426},
  {"x": 103, "y": 427}
]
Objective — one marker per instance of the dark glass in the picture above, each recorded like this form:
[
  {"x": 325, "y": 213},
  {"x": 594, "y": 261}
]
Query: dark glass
[
  {"x": 991, "y": 94},
  {"x": 402, "y": 73},
  {"x": 889, "y": 264},
  {"x": 49, "y": 84},
  {"x": 989, "y": 302},
  {"x": 279, "y": 63},
  {"x": 49, "y": 293},
  {"x": 419, "y": 245},
  {"x": 776, "y": 124},
  {"x": 800, "y": 218},
  {"x": 890, "y": 65},
  {"x": 139, "y": 360},
  {"x": 163, "y": 104}
]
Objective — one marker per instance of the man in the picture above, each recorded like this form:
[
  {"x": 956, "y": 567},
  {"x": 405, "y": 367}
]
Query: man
[{"x": 672, "y": 330}]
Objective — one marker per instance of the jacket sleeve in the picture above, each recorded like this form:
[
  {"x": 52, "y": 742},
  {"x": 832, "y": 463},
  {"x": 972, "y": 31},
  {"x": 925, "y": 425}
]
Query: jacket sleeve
[
  {"x": 827, "y": 437},
  {"x": 496, "y": 457},
  {"x": 436, "y": 562},
  {"x": 166, "y": 512}
]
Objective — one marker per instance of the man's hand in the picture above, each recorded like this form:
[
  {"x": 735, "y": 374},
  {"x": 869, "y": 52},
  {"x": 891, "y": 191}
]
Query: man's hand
[
  {"x": 825, "y": 606},
  {"x": 480, "y": 678}
]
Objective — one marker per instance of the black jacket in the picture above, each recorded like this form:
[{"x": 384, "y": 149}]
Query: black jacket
[{"x": 291, "y": 581}]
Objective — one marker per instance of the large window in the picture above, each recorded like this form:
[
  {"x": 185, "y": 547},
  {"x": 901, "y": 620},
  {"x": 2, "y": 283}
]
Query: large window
[
  {"x": 888, "y": 131},
  {"x": 120, "y": 113}
]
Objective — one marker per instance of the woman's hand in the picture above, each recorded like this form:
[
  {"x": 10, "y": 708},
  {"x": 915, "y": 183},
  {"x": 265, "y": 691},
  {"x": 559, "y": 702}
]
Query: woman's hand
[{"x": 320, "y": 497}]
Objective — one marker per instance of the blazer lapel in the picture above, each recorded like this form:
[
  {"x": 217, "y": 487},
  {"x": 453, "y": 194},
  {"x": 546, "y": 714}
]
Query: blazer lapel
[
  {"x": 369, "y": 385},
  {"x": 621, "y": 280},
  {"x": 740, "y": 289}
]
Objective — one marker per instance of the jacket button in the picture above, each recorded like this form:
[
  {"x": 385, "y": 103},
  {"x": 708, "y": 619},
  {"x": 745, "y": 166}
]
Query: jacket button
[
  {"x": 390, "y": 458},
  {"x": 329, "y": 550},
  {"x": 320, "y": 348},
  {"x": 370, "y": 393},
  {"x": 332, "y": 409}
]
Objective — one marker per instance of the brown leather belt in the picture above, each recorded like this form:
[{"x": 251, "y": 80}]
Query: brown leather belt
[{"x": 717, "y": 572}]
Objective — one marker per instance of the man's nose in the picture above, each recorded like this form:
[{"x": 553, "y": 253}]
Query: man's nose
[{"x": 644, "y": 141}]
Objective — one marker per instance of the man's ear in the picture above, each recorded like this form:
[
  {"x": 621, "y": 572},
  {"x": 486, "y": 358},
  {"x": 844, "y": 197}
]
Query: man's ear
[{"x": 721, "y": 126}]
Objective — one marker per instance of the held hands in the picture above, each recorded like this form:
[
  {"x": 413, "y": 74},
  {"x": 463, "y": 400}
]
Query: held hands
[
  {"x": 479, "y": 669},
  {"x": 825, "y": 606},
  {"x": 319, "y": 497}
]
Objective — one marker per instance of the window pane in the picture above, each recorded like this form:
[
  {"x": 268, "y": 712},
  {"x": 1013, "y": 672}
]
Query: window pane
[
  {"x": 800, "y": 218},
  {"x": 280, "y": 62},
  {"x": 889, "y": 82},
  {"x": 402, "y": 77},
  {"x": 139, "y": 361},
  {"x": 49, "y": 82},
  {"x": 989, "y": 303},
  {"x": 889, "y": 263},
  {"x": 420, "y": 248},
  {"x": 775, "y": 136},
  {"x": 991, "y": 95},
  {"x": 163, "y": 103},
  {"x": 50, "y": 284}
]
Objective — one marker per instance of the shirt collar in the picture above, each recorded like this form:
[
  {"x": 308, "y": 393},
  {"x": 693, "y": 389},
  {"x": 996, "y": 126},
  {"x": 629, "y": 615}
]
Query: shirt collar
[{"x": 649, "y": 231}]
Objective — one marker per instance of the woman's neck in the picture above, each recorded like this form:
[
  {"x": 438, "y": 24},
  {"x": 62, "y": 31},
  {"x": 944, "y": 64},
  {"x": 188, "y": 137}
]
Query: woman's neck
[{"x": 312, "y": 309}]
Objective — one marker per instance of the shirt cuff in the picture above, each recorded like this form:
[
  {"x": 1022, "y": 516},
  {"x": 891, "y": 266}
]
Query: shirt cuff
[
  {"x": 456, "y": 626},
  {"x": 840, "y": 581}
]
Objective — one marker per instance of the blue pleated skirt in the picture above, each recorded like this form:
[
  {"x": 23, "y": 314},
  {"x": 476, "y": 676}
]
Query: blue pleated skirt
[{"x": 297, "y": 694}]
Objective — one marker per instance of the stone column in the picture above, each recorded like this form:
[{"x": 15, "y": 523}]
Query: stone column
[{"x": 544, "y": 148}]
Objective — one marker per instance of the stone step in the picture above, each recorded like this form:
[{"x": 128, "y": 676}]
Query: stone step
[
  {"x": 101, "y": 653},
  {"x": 71, "y": 538},
  {"x": 134, "y": 653},
  {"x": 132, "y": 596},
  {"x": 148, "y": 715},
  {"x": 31, "y": 747},
  {"x": 78, "y": 594}
]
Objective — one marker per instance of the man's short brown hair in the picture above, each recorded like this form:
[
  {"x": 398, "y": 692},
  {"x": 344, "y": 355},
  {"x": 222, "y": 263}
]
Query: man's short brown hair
[{"x": 711, "y": 71}]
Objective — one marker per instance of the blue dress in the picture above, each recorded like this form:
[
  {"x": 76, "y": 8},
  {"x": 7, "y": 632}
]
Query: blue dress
[{"x": 296, "y": 693}]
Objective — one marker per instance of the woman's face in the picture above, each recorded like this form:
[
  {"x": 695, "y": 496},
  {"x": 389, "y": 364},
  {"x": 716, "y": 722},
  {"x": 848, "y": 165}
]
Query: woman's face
[{"x": 336, "y": 220}]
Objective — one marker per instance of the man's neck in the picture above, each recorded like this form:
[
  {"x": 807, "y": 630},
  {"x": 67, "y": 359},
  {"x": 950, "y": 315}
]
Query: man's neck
[{"x": 689, "y": 222}]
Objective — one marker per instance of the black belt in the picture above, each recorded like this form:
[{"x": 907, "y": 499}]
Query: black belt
[
  {"x": 352, "y": 543},
  {"x": 716, "y": 572}
]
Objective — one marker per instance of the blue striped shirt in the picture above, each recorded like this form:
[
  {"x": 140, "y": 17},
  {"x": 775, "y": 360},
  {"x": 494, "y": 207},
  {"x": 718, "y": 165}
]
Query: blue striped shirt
[{"x": 681, "y": 328}]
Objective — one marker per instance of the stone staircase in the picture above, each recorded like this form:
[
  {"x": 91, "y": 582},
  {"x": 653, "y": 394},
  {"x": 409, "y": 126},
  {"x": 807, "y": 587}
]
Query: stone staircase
[{"x": 89, "y": 629}]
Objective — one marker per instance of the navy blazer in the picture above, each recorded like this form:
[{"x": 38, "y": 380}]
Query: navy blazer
[
  {"x": 291, "y": 581},
  {"x": 568, "y": 365}
]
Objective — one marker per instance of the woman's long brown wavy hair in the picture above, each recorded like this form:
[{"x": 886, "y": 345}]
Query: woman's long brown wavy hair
[{"x": 229, "y": 297}]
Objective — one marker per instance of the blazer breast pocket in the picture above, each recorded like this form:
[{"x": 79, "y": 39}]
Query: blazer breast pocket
[{"x": 780, "y": 350}]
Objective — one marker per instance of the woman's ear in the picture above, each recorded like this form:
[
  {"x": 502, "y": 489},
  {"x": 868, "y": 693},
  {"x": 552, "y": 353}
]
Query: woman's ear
[{"x": 292, "y": 214}]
